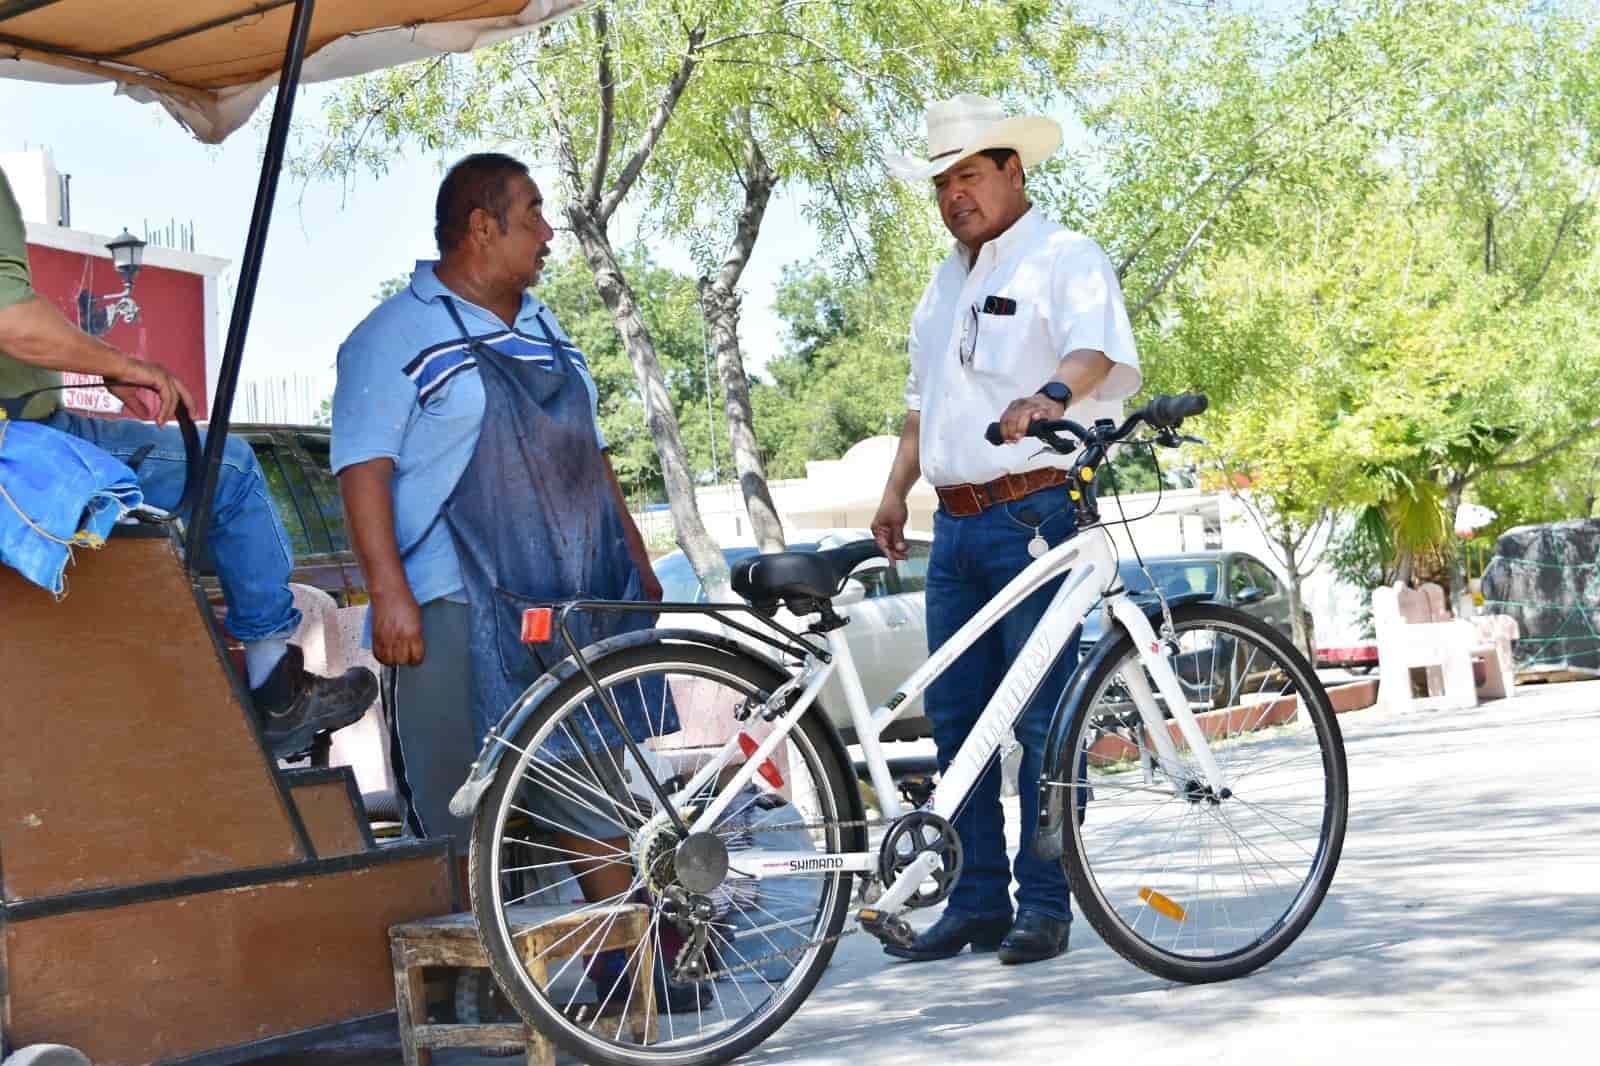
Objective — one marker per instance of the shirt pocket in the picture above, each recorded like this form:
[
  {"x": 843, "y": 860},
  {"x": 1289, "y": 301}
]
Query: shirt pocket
[{"x": 1001, "y": 343}]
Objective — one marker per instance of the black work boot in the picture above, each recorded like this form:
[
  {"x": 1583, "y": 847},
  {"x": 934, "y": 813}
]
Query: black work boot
[
  {"x": 950, "y": 934},
  {"x": 295, "y": 706},
  {"x": 1034, "y": 938}
]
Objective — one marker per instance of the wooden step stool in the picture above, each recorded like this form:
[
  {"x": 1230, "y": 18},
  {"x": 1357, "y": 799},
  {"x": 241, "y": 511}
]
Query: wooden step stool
[{"x": 542, "y": 934}]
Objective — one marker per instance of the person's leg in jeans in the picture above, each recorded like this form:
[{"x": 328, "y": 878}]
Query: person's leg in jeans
[
  {"x": 251, "y": 551},
  {"x": 247, "y": 539},
  {"x": 1041, "y": 884},
  {"x": 979, "y": 908}
]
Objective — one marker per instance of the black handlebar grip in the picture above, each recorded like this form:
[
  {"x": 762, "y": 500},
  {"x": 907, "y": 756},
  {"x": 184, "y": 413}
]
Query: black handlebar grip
[
  {"x": 992, "y": 434},
  {"x": 1168, "y": 412}
]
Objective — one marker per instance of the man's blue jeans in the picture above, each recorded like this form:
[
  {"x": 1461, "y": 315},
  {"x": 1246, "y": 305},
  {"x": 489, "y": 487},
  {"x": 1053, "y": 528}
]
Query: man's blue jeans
[
  {"x": 973, "y": 558},
  {"x": 247, "y": 539}
]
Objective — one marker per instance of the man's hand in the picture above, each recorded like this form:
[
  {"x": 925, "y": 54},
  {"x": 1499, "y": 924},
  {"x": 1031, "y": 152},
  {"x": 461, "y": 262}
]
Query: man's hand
[
  {"x": 889, "y": 527},
  {"x": 150, "y": 392},
  {"x": 1020, "y": 414},
  {"x": 397, "y": 629}
]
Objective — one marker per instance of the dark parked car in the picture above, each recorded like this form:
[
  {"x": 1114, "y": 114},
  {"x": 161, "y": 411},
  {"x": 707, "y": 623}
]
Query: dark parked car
[
  {"x": 306, "y": 494},
  {"x": 1237, "y": 579}
]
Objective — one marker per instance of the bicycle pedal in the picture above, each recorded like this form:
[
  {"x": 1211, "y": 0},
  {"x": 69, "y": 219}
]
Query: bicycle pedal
[
  {"x": 916, "y": 791},
  {"x": 887, "y": 928}
]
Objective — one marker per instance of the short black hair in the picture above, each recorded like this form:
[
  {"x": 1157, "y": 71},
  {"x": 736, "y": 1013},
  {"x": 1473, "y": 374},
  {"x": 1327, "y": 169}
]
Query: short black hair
[
  {"x": 478, "y": 181},
  {"x": 998, "y": 156}
]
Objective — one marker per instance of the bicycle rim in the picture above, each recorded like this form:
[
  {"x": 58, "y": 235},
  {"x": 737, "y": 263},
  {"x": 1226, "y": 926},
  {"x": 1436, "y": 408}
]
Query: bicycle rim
[
  {"x": 768, "y": 940},
  {"x": 1184, "y": 882}
]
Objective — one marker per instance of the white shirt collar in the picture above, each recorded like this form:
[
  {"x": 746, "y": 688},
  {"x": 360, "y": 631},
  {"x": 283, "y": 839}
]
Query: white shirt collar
[{"x": 1013, "y": 238}]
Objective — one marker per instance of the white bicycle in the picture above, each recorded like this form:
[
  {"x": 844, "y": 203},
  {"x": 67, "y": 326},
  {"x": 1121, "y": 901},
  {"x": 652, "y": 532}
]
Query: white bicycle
[{"x": 691, "y": 887}]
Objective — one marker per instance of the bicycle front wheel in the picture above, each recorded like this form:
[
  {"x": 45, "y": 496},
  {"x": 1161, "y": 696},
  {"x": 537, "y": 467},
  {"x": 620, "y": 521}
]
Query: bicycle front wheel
[
  {"x": 579, "y": 877},
  {"x": 1188, "y": 882}
]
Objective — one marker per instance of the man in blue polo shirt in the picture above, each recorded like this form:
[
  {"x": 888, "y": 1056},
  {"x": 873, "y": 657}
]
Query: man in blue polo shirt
[{"x": 447, "y": 471}]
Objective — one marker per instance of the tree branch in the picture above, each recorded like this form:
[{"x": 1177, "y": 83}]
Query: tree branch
[
  {"x": 845, "y": 213},
  {"x": 758, "y": 179},
  {"x": 658, "y": 124},
  {"x": 1171, "y": 272},
  {"x": 608, "y": 109},
  {"x": 1567, "y": 218},
  {"x": 564, "y": 146},
  {"x": 1533, "y": 460}
]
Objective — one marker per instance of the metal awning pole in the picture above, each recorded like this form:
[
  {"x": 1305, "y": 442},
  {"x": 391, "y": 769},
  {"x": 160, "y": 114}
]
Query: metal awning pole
[{"x": 255, "y": 246}]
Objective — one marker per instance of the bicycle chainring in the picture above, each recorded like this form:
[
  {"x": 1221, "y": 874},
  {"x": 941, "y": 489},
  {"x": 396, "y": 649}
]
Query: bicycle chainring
[{"x": 909, "y": 837}]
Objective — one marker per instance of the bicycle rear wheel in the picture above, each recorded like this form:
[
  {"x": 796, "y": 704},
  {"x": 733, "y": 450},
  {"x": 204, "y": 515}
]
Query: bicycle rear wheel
[
  {"x": 572, "y": 856},
  {"x": 1185, "y": 883}
]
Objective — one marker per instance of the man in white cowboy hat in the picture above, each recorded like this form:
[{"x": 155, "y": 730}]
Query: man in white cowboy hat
[{"x": 1023, "y": 320}]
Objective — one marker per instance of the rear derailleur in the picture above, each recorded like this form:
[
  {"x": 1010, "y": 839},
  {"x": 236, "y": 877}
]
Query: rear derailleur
[{"x": 694, "y": 916}]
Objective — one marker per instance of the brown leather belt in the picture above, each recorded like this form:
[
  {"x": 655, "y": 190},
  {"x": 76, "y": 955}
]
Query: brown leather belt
[{"x": 964, "y": 501}]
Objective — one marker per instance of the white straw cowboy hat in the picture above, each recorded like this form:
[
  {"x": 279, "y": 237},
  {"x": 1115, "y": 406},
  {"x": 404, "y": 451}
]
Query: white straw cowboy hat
[{"x": 967, "y": 124}]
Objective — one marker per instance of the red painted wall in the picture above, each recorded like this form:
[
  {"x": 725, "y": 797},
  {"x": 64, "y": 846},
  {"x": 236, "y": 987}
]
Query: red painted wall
[{"x": 171, "y": 328}]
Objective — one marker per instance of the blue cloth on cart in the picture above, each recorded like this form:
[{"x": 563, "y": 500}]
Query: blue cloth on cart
[{"x": 57, "y": 492}]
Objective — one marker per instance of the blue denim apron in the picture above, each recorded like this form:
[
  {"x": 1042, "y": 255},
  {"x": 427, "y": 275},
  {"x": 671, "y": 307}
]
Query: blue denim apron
[{"x": 535, "y": 520}]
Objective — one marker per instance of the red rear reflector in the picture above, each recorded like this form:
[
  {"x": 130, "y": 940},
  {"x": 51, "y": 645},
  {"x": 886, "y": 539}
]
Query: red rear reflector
[
  {"x": 536, "y": 625},
  {"x": 769, "y": 772}
]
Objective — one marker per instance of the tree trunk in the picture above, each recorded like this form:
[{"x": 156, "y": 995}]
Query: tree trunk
[
  {"x": 719, "y": 302},
  {"x": 1297, "y": 622},
  {"x": 1456, "y": 558},
  {"x": 703, "y": 552}
]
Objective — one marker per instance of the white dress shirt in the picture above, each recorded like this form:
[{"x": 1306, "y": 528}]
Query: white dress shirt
[{"x": 1066, "y": 298}]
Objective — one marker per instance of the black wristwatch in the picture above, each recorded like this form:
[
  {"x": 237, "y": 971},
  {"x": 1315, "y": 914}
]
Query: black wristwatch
[{"x": 1058, "y": 392}]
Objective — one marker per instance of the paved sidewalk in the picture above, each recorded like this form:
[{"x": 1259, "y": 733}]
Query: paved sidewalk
[{"x": 1463, "y": 927}]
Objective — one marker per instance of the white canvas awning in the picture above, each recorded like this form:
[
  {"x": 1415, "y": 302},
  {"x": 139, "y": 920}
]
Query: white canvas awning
[{"x": 210, "y": 62}]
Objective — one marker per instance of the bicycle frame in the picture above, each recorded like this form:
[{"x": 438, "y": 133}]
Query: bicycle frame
[{"x": 1089, "y": 563}]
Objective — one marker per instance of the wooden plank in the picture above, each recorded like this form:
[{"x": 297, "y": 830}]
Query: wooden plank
[
  {"x": 125, "y": 755},
  {"x": 497, "y": 1035},
  {"x": 175, "y": 977},
  {"x": 330, "y": 821}
]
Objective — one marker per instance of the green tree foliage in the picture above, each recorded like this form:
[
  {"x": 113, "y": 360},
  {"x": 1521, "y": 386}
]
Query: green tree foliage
[
  {"x": 668, "y": 301},
  {"x": 1366, "y": 230}
]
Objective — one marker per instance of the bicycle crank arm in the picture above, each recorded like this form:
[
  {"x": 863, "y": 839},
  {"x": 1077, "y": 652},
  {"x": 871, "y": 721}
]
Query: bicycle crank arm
[{"x": 893, "y": 901}]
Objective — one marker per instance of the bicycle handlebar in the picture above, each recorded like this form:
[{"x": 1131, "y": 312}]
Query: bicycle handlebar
[{"x": 1163, "y": 412}]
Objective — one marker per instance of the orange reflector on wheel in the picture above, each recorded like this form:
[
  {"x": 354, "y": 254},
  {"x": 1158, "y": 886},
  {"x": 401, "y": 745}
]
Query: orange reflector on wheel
[
  {"x": 1162, "y": 904},
  {"x": 536, "y": 625},
  {"x": 768, "y": 771}
]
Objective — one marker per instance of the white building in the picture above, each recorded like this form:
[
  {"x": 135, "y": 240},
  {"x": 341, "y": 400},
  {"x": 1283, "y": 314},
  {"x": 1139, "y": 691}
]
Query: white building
[{"x": 844, "y": 492}]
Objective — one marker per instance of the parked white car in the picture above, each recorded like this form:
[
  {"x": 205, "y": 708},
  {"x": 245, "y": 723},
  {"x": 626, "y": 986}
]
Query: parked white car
[{"x": 888, "y": 630}]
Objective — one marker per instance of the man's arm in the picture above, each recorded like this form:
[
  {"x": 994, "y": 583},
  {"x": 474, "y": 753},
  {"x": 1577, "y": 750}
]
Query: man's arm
[
  {"x": 649, "y": 585},
  {"x": 889, "y": 524},
  {"x": 34, "y": 332},
  {"x": 369, "y": 508},
  {"x": 1082, "y": 371}
]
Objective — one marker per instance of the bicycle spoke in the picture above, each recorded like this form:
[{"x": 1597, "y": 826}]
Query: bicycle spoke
[
  {"x": 579, "y": 825},
  {"x": 1191, "y": 875}
]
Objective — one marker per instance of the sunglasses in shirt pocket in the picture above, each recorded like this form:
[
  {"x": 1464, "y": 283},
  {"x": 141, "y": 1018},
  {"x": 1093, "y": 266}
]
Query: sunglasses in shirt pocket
[{"x": 998, "y": 340}]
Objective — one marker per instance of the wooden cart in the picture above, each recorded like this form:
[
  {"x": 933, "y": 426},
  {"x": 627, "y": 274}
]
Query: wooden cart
[{"x": 167, "y": 894}]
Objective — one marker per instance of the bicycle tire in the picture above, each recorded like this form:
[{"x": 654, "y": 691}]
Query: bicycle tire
[
  {"x": 812, "y": 735},
  {"x": 1087, "y": 890}
]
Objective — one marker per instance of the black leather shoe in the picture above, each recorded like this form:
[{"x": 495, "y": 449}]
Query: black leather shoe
[
  {"x": 950, "y": 934},
  {"x": 1034, "y": 937}
]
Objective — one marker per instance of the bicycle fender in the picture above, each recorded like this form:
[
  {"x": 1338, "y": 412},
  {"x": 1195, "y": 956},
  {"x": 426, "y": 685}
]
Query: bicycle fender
[
  {"x": 1048, "y": 839},
  {"x": 481, "y": 774}
]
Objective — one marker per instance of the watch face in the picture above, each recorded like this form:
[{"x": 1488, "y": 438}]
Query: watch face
[{"x": 1057, "y": 392}]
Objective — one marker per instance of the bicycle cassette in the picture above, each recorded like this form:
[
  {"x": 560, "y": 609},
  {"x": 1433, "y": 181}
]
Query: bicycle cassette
[{"x": 909, "y": 837}]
